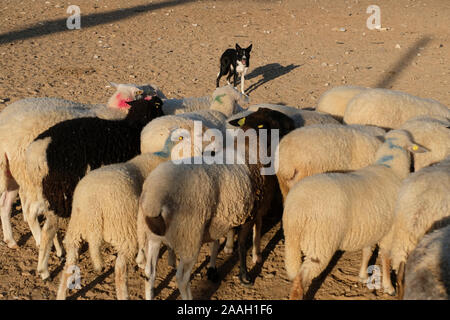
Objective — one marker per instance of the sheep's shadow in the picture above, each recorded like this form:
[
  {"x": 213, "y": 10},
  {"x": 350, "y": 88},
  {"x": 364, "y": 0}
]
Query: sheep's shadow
[
  {"x": 317, "y": 282},
  {"x": 91, "y": 285},
  {"x": 269, "y": 72}
]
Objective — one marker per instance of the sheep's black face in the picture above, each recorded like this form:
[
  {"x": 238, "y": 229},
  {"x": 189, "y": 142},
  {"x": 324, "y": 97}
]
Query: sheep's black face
[
  {"x": 265, "y": 118},
  {"x": 144, "y": 110}
]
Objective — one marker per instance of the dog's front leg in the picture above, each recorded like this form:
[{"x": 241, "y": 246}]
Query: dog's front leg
[{"x": 242, "y": 82}]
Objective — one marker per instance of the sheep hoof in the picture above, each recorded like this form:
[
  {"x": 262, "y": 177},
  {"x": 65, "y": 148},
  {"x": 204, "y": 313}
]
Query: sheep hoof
[
  {"x": 11, "y": 244},
  {"x": 228, "y": 250},
  {"x": 245, "y": 280},
  {"x": 390, "y": 291},
  {"x": 45, "y": 275},
  {"x": 212, "y": 274},
  {"x": 363, "y": 280},
  {"x": 257, "y": 259}
]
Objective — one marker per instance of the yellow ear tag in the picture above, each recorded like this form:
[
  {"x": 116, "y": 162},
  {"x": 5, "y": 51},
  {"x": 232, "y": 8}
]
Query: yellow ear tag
[
  {"x": 241, "y": 122},
  {"x": 180, "y": 138},
  {"x": 415, "y": 147},
  {"x": 261, "y": 126}
]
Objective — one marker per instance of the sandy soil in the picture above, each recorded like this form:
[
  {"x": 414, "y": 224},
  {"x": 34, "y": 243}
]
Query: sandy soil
[{"x": 300, "y": 49}]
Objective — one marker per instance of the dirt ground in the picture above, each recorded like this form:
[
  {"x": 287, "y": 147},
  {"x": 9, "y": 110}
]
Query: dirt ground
[{"x": 300, "y": 50}]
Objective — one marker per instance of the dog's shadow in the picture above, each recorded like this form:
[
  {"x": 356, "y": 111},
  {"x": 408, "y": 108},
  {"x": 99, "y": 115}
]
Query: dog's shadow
[{"x": 269, "y": 72}]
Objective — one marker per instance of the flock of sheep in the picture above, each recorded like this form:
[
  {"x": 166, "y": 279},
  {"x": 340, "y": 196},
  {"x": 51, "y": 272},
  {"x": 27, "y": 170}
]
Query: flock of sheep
[{"x": 366, "y": 167}]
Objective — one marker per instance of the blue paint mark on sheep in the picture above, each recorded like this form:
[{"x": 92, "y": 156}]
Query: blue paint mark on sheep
[
  {"x": 384, "y": 159},
  {"x": 165, "y": 152},
  {"x": 392, "y": 145}
]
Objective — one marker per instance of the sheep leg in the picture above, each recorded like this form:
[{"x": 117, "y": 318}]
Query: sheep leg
[
  {"x": 7, "y": 200},
  {"x": 32, "y": 214},
  {"x": 256, "y": 253},
  {"x": 171, "y": 259},
  {"x": 95, "y": 242},
  {"x": 401, "y": 280},
  {"x": 47, "y": 235},
  {"x": 72, "y": 258},
  {"x": 150, "y": 268},
  {"x": 120, "y": 270},
  {"x": 366, "y": 253},
  {"x": 183, "y": 276},
  {"x": 386, "y": 271},
  {"x": 212, "y": 273},
  {"x": 243, "y": 272},
  {"x": 58, "y": 247},
  {"x": 230, "y": 242},
  {"x": 297, "y": 289},
  {"x": 23, "y": 203}
]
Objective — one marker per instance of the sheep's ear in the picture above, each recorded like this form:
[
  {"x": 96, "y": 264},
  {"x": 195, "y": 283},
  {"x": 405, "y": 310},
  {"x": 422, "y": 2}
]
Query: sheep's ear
[
  {"x": 237, "y": 122},
  {"x": 113, "y": 84},
  {"x": 415, "y": 148}
]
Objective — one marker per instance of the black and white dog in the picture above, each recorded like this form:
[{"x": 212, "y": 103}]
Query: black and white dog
[{"x": 234, "y": 61}]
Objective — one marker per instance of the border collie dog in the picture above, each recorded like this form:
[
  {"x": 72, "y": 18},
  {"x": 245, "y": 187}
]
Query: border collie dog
[{"x": 234, "y": 61}]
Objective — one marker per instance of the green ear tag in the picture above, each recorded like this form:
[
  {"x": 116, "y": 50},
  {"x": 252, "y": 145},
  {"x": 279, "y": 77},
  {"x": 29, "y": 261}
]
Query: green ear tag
[{"x": 241, "y": 122}]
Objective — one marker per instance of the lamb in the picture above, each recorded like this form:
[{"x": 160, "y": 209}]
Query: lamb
[
  {"x": 327, "y": 212},
  {"x": 179, "y": 106},
  {"x": 60, "y": 156},
  {"x": 23, "y": 120},
  {"x": 335, "y": 100},
  {"x": 390, "y": 109},
  {"x": 427, "y": 275},
  {"x": 323, "y": 148},
  {"x": 186, "y": 205},
  {"x": 301, "y": 117},
  {"x": 433, "y": 134},
  {"x": 105, "y": 206},
  {"x": 423, "y": 200}
]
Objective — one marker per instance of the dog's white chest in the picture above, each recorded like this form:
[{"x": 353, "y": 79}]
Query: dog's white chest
[{"x": 240, "y": 68}]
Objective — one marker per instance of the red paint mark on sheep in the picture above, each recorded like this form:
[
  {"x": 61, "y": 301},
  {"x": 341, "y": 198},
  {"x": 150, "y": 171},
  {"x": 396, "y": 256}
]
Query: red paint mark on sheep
[{"x": 121, "y": 102}]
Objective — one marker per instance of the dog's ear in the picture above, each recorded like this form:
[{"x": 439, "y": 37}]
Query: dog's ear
[
  {"x": 249, "y": 48},
  {"x": 238, "y": 47}
]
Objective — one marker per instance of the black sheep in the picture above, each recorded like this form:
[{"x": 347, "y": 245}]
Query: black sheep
[{"x": 83, "y": 144}]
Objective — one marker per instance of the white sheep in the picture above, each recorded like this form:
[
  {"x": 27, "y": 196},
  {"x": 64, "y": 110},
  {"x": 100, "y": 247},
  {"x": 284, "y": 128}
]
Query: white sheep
[
  {"x": 390, "y": 109},
  {"x": 433, "y": 134},
  {"x": 423, "y": 199},
  {"x": 225, "y": 103},
  {"x": 335, "y": 100},
  {"x": 23, "y": 120},
  {"x": 344, "y": 211},
  {"x": 105, "y": 207},
  {"x": 186, "y": 205},
  {"x": 323, "y": 148},
  {"x": 179, "y": 106},
  {"x": 427, "y": 275}
]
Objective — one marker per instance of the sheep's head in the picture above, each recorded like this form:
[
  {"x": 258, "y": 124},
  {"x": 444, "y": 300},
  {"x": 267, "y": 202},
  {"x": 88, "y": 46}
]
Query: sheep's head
[
  {"x": 129, "y": 92},
  {"x": 144, "y": 110},
  {"x": 265, "y": 118}
]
